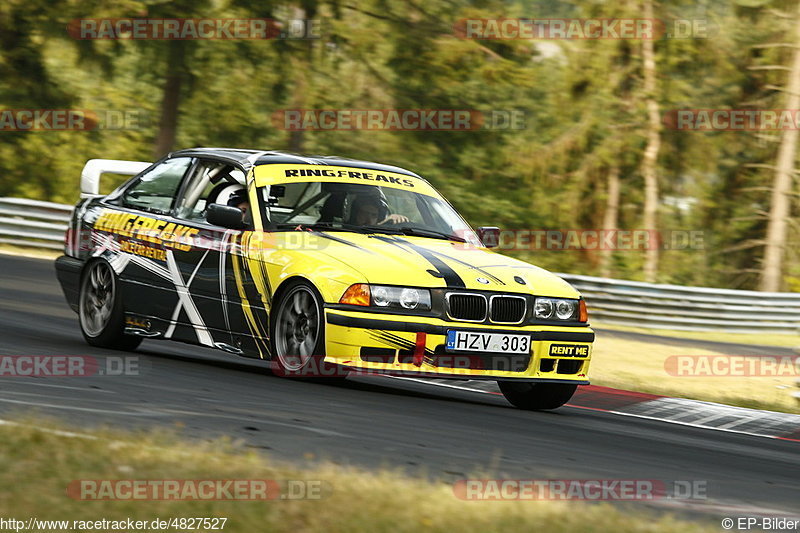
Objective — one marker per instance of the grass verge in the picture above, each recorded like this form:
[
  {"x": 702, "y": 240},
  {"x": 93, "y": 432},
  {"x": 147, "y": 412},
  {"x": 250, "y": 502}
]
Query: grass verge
[
  {"x": 36, "y": 468},
  {"x": 24, "y": 251},
  {"x": 761, "y": 339},
  {"x": 640, "y": 366}
]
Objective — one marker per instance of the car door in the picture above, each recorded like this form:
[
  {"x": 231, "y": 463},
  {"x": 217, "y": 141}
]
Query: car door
[
  {"x": 201, "y": 272},
  {"x": 218, "y": 281}
]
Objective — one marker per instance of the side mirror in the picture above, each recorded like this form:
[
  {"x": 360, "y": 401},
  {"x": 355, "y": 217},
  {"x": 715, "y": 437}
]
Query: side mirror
[
  {"x": 225, "y": 216},
  {"x": 489, "y": 236}
]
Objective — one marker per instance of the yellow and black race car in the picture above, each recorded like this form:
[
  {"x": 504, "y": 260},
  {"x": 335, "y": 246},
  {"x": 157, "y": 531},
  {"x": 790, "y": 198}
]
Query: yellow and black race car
[{"x": 320, "y": 265}]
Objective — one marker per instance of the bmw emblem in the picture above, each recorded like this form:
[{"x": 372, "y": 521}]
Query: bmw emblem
[{"x": 482, "y": 280}]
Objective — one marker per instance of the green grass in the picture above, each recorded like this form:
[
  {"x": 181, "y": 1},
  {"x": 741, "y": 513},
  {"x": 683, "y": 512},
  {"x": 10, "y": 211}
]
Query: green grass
[
  {"x": 640, "y": 366},
  {"x": 763, "y": 339},
  {"x": 36, "y": 467},
  {"x": 11, "y": 249}
]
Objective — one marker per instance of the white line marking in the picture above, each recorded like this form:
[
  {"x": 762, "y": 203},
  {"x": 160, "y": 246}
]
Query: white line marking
[
  {"x": 84, "y": 409},
  {"x": 740, "y": 422},
  {"x": 690, "y": 424},
  {"x": 715, "y": 416},
  {"x": 659, "y": 406},
  {"x": 641, "y": 415},
  {"x": 48, "y": 430},
  {"x": 82, "y": 389},
  {"x": 437, "y": 384},
  {"x": 242, "y": 418}
]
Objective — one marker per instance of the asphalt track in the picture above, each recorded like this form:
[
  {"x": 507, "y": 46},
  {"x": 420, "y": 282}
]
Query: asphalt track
[{"x": 443, "y": 433}]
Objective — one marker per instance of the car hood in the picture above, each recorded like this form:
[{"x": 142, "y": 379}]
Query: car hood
[{"x": 425, "y": 262}]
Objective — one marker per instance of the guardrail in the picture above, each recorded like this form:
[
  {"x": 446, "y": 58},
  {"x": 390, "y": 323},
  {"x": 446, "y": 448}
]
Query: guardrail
[
  {"x": 42, "y": 225},
  {"x": 662, "y": 306},
  {"x": 33, "y": 223}
]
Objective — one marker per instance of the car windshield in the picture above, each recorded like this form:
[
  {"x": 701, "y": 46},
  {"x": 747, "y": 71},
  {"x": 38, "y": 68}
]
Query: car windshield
[{"x": 335, "y": 206}]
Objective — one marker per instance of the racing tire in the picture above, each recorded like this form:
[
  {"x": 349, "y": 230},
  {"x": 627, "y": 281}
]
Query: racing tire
[
  {"x": 100, "y": 311},
  {"x": 537, "y": 396},
  {"x": 297, "y": 335}
]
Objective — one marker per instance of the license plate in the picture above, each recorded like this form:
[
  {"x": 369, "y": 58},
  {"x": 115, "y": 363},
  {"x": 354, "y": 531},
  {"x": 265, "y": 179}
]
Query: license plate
[{"x": 471, "y": 341}]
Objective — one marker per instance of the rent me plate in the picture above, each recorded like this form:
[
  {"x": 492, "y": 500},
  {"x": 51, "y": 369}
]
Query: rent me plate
[{"x": 473, "y": 341}]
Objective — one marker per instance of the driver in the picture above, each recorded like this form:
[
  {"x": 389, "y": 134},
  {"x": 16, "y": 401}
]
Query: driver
[
  {"x": 238, "y": 198},
  {"x": 368, "y": 210}
]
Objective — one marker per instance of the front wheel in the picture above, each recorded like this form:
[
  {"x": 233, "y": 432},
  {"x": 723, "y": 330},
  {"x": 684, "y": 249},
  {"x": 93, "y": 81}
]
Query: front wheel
[
  {"x": 537, "y": 396},
  {"x": 100, "y": 311},
  {"x": 298, "y": 334}
]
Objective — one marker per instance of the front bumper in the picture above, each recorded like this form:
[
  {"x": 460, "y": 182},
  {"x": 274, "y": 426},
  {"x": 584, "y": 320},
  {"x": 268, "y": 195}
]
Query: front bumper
[{"x": 386, "y": 344}]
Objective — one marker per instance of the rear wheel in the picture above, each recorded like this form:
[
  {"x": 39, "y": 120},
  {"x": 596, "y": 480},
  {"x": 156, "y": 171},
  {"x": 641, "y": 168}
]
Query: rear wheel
[
  {"x": 537, "y": 396},
  {"x": 298, "y": 334},
  {"x": 100, "y": 309}
]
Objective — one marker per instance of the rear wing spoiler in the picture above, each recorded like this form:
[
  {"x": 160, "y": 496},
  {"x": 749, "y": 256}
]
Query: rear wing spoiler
[{"x": 94, "y": 168}]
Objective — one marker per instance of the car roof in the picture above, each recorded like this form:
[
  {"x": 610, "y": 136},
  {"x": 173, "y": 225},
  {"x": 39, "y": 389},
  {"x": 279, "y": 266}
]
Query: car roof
[{"x": 250, "y": 158}]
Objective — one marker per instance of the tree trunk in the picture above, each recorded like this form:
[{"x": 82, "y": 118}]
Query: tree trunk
[
  {"x": 610, "y": 218},
  {"x": 771, "y": 268},
  {"x": 170, "y": 102},
  {"x": 301, "y": 64},
  {"x": 297, "y": 137},
  {"x": 650, "y": 158}
]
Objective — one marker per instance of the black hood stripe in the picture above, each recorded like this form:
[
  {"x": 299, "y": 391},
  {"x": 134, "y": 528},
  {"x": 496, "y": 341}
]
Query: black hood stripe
[
  {"x": 479, "y": 269},
  {"x": 450, "y": 276},
  {"x": 341, "y": 241}
]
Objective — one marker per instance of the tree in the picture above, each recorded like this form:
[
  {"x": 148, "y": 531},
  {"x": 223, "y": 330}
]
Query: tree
[
  {"x": 650, "y": 156},
  {"x": 775, "y": 244}
]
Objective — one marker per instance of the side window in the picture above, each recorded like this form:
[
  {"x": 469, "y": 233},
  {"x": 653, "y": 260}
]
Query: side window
[
  {"x": 209, "y": 183},
  {"x": 191, "y": 208},
  {"x": 155, "y": 190}
]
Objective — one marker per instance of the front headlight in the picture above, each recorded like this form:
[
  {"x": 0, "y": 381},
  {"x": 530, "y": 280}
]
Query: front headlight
[
  {"x": 543, "y": 308},
  {"x": 565, "y": 309},
  {"x": 555, "y": 308},
  {"x": 388, "y": 297}
]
